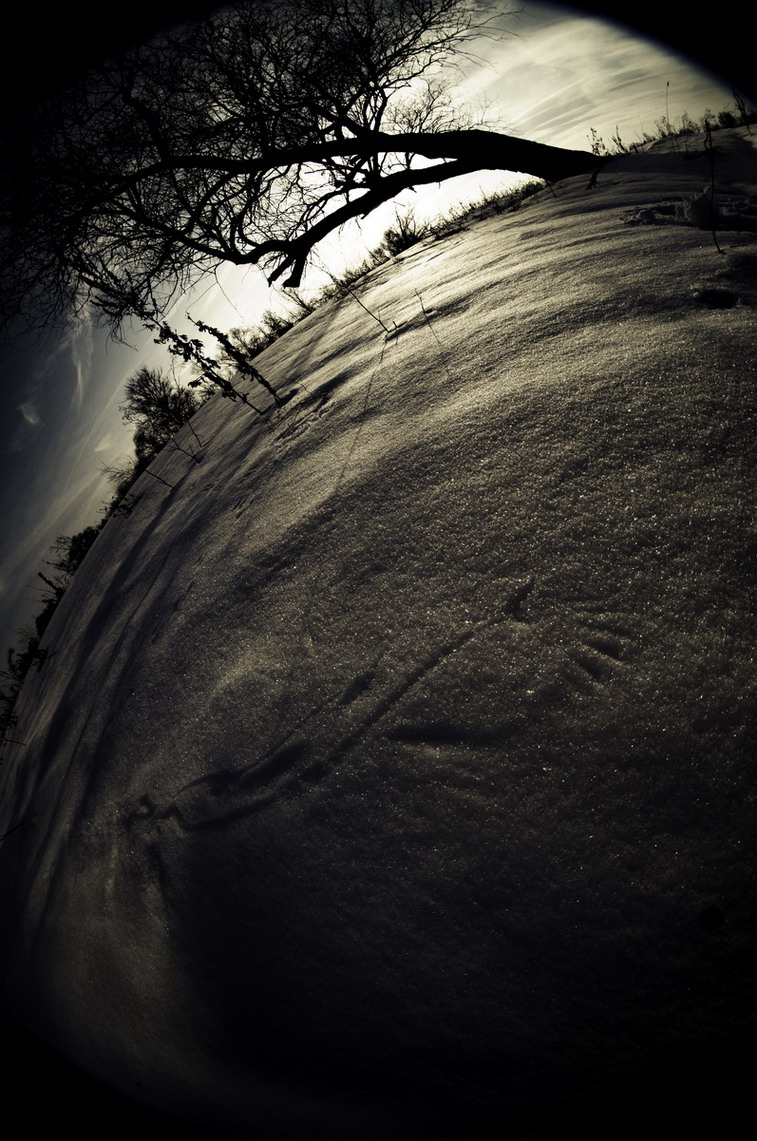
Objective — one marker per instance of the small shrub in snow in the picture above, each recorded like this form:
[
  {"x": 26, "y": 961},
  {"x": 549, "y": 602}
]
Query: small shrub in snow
[
  {"x": 702, "y": 210},
  {"x": 406, "y": 232}
]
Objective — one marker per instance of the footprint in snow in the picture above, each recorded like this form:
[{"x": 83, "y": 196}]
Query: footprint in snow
[{"x": 290, "y": 767}]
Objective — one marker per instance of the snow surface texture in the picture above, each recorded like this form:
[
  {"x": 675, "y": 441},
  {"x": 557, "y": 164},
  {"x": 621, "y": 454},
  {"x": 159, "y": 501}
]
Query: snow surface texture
[{"x": 396, "y": 767}]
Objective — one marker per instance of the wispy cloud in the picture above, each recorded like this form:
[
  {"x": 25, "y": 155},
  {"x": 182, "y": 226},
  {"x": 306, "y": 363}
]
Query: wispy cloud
[
  {"x": 28, "y": 428},
  {"x": 562, "y": 74},
  {"x": 30, "y": 413},
  {"x": 104, "y": 444},
  {"x": 81, "y": 347}
]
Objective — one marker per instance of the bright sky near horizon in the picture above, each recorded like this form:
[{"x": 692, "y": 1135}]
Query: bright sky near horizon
[{"x": 554, "y": 77}]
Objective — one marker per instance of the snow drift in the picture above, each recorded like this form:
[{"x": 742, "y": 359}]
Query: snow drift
[{"x": 394, "y": 769}]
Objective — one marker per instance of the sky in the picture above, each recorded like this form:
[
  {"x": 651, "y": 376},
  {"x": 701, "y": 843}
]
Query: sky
[{"x": 552, "y": 78}]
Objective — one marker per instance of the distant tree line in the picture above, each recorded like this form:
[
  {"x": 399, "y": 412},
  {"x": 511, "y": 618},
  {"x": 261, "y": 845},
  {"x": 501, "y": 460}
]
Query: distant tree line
[
  {"x": 158, "y": 406},
  {"x": 68, "y": 552}
]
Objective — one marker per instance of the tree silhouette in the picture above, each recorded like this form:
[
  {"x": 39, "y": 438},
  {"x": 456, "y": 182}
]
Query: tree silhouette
[
  {"x": 158, "y": 402},
  {"x": 246, "y": 137},
  {"x": 157, "y": 406}
]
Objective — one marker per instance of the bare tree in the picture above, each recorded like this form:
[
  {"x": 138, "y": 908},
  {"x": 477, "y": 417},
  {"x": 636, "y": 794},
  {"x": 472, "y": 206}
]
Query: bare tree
[
  {"x": 159, "y": 401},
  {"x": 158, "y": 406},
  {"x": 246, "y": 137}
]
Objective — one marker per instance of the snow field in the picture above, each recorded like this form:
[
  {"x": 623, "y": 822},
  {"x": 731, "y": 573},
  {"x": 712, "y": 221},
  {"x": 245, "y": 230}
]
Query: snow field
[{"x": 396, "y": 767}]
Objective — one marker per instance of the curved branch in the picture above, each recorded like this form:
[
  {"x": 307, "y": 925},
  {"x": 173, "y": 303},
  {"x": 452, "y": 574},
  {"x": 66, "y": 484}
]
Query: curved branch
[
  {"x": 296, "y": 250},
  {"x": 488, "y": 150}
]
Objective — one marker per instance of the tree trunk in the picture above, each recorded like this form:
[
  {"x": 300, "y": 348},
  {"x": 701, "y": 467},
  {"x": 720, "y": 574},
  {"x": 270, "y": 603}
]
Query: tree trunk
[{"x": 488, "y": 150}]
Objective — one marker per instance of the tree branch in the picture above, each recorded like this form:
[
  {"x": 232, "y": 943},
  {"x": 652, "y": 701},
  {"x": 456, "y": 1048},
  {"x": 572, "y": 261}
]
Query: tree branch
[
  {"x": 231, "y": 139},
  {"x": 488, "y": 150},
  {"x": 296, "y": 250}
]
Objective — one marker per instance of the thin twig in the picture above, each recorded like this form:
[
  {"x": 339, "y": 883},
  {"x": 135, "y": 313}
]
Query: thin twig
[
  {"x": 11, "y": 830},
  {"x": 708, "y": 149},
  {"x": 433, "y": 334},
  {"x": 352, "y": 293},
  {"x": 160, "y": 479}
]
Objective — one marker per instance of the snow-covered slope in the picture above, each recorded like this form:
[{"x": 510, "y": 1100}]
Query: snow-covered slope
[{"x": 396, "y": 767}]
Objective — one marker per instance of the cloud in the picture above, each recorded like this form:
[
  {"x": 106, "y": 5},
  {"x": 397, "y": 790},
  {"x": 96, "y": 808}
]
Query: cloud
[
  {"x": 81, "y": 346},
  {"x": 29, "y": 412},
  {"x": 563, "y": 73}
]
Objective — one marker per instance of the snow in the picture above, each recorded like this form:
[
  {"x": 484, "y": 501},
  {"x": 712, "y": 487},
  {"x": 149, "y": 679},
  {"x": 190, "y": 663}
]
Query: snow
[{"x": 394, "y": 768}]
